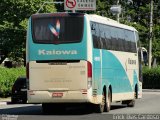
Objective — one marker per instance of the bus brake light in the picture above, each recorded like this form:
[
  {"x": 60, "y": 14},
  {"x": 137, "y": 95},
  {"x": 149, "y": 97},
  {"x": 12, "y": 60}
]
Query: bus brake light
[{"x": 89, "y": 67}]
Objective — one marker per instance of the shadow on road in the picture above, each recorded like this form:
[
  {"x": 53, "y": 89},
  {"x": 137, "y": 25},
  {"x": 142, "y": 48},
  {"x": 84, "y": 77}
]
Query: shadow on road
[
  {"x": 37, "y": 110},
  {"x": 114, "y": 107},
  {"x": 23, "y": 110}
]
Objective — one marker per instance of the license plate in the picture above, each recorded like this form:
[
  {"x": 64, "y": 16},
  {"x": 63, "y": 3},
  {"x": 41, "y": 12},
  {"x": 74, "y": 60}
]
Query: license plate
[{"x": 57, "y": 94}]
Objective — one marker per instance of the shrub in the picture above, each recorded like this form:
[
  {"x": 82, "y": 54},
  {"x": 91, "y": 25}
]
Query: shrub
[
  {"x": 7, "y": 79},
  {"x": 151, "y": 78}
]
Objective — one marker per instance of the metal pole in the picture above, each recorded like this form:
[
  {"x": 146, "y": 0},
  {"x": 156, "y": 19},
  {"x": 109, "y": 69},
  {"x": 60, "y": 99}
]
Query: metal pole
[
  {"x": 150, "y": 31},
  {"x": 118, "y": 13}
]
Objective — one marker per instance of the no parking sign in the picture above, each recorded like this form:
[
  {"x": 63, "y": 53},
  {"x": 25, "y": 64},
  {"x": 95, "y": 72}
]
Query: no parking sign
[{"x": 80, "y": 4}]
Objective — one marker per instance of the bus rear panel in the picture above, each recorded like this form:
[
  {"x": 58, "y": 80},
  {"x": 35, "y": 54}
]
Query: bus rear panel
[{"x": 57, "y": 65}]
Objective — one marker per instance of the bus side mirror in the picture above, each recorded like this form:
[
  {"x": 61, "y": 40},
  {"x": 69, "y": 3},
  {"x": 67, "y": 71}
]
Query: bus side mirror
[
  {"x": 143, "y": 55},
  {"x": 92, "y": 27}
]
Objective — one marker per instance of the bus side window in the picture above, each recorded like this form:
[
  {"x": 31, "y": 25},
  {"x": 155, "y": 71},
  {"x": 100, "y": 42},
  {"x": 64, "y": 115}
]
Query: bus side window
[
  {"x": 113, "y": 38},
  {"x": 95, "y": 35},
  {"x": 117, "y": 45},
  {"x": 102, "y": 36},
  {"x": 108, "y": 37},
  {"x": 127, "y": 41},
  {"x": 121, "y": 39},
  {"x": 133, "y": 42}
]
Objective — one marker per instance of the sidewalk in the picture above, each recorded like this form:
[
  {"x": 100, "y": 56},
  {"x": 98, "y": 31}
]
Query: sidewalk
[
  {"x": 5, "y": 101},
  {"x": 150, "y": 90}
]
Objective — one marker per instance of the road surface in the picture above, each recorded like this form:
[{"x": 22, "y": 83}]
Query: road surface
[{"x": 149, "y": 104}]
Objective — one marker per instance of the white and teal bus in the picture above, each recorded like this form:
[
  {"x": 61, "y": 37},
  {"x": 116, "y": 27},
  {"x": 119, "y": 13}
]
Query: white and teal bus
[{"x": 81, "y": 58}]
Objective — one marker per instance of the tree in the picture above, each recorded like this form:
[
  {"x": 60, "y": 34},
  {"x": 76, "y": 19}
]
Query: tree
[
  {"x": 13, "y": 22},
  {"x": 136, "y": 13},
  {"x": 139, "y": 17},
  {"x": 14, "y": 15}
]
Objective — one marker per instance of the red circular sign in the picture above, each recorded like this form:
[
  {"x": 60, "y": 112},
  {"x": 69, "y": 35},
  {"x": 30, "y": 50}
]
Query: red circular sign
[{"x": 70, "y": 3}]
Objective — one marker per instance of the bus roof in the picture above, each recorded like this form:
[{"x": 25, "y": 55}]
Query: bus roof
[
  {"x": 108, "y": 21},
  {"x": 91, "y": 17}
]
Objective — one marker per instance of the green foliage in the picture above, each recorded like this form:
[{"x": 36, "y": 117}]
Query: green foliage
[
  {"x": 7, "y": 79},
  {"x": 14, "y": 15},
  {"x": 151, "y": 78},
  {"x": 103, "y": 8},
  {"x": 156, "y": 46},
  {"x": 136, "y": 13},
  {"x": 141, "y": 22}
]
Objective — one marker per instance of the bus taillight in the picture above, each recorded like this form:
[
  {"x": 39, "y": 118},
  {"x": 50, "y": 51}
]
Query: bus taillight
[
  {"x": 27, "y": 70},
  {"x": 89, "y": 69}
]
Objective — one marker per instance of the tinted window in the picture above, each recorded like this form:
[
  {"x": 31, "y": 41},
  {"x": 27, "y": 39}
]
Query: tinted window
[
  {"x": 121, "y": 39},
  {"x": 112, "y": 38},
  {"x": 102, "y": 36},
  {"x": 57, "y": 29},
  {"x": 127, "y": 41},
  {"x": 137, "y": 40},
  {"x": 108, "y": 37},
  {"x": 95, "y": 35},
  {"x": 133, "y": 42}
]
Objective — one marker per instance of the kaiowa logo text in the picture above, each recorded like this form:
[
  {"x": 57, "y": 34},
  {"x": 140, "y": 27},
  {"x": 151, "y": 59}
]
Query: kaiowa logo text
[{"x": 57, "y": 52}]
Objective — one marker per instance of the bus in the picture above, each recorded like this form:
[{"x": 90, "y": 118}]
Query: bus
[{"x": 81, "y": 58}]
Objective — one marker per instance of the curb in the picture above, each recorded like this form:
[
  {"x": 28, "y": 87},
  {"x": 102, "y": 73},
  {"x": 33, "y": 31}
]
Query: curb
[
  {"x": 150, "y": 90},
  {"x": 3, "y": 103}
]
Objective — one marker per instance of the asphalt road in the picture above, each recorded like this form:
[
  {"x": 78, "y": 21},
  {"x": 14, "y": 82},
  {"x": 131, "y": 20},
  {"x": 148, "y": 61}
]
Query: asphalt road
[{"x": 149, "y": 104}]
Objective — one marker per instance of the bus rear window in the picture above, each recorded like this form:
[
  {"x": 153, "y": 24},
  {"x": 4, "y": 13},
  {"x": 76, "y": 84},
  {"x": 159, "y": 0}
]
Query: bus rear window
[{"x": 57, "y": 29}]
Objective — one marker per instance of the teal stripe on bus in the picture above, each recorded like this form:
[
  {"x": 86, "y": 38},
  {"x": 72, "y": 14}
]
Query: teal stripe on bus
[{"x": 113, "y": 73}]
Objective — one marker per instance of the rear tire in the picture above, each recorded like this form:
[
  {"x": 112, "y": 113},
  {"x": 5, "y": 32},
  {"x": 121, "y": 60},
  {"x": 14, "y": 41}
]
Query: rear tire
[
  {"x": 108, "y": 101},
  {"x": 99, "y": 108},
  {"x": 130, "y": 103}
]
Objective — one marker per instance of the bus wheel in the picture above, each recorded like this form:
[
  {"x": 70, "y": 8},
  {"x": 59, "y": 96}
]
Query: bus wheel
[
  {"x": 108, "y": 102},
  {"x": 130, "y": 103},
  {"x": 99, "y": 108}
]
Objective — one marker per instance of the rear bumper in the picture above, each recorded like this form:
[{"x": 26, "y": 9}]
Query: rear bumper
[{"x": 68, "y": 97}]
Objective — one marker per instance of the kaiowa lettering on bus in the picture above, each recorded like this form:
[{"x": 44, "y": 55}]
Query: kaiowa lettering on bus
[{"x": 57, "y": 52}]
